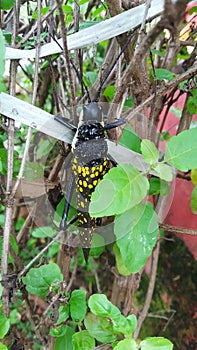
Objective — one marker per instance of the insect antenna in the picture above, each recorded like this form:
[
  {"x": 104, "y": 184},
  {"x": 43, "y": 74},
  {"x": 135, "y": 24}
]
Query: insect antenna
[
  {"x": 112, "y": 67},
  {"x": 77, "y": 72}
]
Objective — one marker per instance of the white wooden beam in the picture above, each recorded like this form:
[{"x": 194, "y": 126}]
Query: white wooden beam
[{"x": 107, "y": 29}]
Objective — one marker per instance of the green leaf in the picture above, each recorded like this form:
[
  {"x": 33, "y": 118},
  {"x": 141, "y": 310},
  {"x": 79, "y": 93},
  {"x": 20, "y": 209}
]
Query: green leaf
[
  {"x": 4, "y": 325},
  {"x": 109, "y": 91},
  {"x": 128, "y": 344},
  {"x": 164, "y": 74},
  {"x": 3, "y": 347},
  {"x": 181, "y": 150},
  {"x": 38, "y": 280},
  {"x": 78, "y": 307},
  {"x": 6, "y": 4},
  {"x": 121, "y": 188},
  {"x": 64, "y": 313},
  {"x": 164, "y": 171},
  {"x": 83, "y": 340},
  {"x": 191, "y": 105},
  {"x": 193, "y": 203},
  {"x": 100, "y": 305},
  {"x": 159, "y": 343},
  {"x": 130, "y": 139},
  {"x": 194, "y": 176},
  {"x": 149, "y": 151},
  {"x": 122, "y": 269},
  {"x": 136, "y": 233},
  {"x": 158, "y": 186},
  {"x": 43, "y": 232},
  {"x": 193, "y": 10},
  {"x": 100, "y": 328},
  {"x": 65, "y": 341}
]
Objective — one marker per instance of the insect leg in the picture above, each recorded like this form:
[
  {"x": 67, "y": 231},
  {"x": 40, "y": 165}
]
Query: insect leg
[
  {"x": 115, "y": 124},
  {"x": 65, "y": 123}
]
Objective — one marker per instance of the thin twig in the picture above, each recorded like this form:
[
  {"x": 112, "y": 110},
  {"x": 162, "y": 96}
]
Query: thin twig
[
  {"x": 10, "y": 162},
  {"x": 142, "y": 28},
  {"x": 176, "y": 229}
]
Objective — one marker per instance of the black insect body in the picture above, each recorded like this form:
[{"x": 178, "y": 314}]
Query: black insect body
[{"x": 90, "y": 162}]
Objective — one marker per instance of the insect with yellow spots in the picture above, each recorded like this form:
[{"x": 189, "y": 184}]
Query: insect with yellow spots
[{"x": 90, "y": 162}]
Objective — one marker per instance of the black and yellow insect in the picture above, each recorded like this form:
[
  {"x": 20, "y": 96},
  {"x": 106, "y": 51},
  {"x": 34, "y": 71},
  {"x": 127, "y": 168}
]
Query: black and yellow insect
[{"x": 90, "y": 162}]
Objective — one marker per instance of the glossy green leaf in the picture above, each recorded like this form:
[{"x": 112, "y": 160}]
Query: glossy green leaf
[
  {"x": 65, "y": 341},
  {"x": 128, "y": 344},
  {"x": 100, "y": 328},
  {"x": 136, "y": 232},
  {"x": 38, "y": 280},
  {"x": 149, "y": 151},
  {"x": 164, "y": 171},
  {"x": 130, "y": 139},
  {"x": 154, "y": 343},
  {"x": 181, "y": 150},
  {"x": 122, "y": 188},
  {"x": 100, "y": 305},
  {"x": 83, "y": 340},
  {"x": 4, "y": 325},
  {"x": 193, "y": 203},
  {"x": 78, "y": 307}
]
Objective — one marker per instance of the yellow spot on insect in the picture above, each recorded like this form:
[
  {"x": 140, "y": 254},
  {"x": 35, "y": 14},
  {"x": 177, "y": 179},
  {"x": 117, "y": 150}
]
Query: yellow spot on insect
[
  {"x": 80, "y": 182},
  {"x": 82, "y": 204},
  {"x": 93, "y": 169},
  {"x": 90, "y": 186},
  {"x": 92, "y": 176},
  {"x": 95, "y": 182},
  {"x": 75, "y": 160},
  {"x": 80, "y": 189},
  {"x": 75, "y": 173},
  {"x": 96, "y": 173},
  {"x": 87, "y": 170},
  {"x": 101, "y": 168},
  {"x": 79, "y": 169},
  {"x": 85, "y": 184},
  {"x": 85, "y": 220},
  {"x": 74, "y": 167}
]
